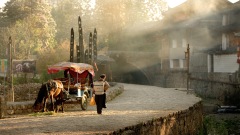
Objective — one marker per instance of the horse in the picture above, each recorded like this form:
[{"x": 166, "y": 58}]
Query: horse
[{"x": 52, "y": 89}]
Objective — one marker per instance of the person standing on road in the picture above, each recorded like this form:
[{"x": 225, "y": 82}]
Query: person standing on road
[{"x": 99, "y": 91}]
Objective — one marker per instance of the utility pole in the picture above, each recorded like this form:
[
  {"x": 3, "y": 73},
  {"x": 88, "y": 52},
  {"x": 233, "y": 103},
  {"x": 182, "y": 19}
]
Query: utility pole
[
  {"x": 187, "y": 57},
  {"x": 238, "y": 61},
  {"x": 10, "y": 73}
]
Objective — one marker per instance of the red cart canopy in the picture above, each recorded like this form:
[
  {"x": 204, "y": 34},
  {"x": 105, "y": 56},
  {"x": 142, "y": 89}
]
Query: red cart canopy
[{"x": 75, "y": 67}]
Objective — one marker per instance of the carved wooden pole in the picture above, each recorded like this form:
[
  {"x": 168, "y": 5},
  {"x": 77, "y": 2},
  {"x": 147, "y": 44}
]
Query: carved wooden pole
[
  {"x": 86, "y": 56},
  {"x": 72, "y": 46},
  {"x": 80, "y": 47},
  {"x": 95, "y": 45},
  {"x": 90, "y": 51}
]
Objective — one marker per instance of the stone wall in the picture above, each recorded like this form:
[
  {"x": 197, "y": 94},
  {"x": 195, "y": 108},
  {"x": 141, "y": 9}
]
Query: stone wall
[
  {"x": 2, "y": 107},
  {"x": 220, "y": 86},
  {"x": 13, "y": 108},
  {"x": 213, "y": 85},
  {"x": 22, "y": 92},
  {"x": 187, "y": 122},
  {"x": 174, "y": 79}
]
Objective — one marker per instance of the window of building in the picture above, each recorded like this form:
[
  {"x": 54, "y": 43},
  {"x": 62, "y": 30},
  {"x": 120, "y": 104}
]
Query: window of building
[
  {"x": 224, "y": 20},
  {"x": 174, "y": 44},
  {"x": 183, "y": 63},
  {"x": 171, "y": 63},
  {"x": 176, "y": 63},
  {"x": 225, "y": 41}
]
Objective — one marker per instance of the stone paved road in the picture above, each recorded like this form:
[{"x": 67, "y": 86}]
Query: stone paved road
[{"x": 137, "y": 103}]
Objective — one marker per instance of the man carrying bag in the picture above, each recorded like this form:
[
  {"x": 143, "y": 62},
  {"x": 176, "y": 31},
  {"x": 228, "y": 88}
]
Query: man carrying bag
[{"x": 99, "y": 92}]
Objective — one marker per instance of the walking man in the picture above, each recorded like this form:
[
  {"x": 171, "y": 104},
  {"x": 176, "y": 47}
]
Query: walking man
[{"x": 99, "y": 91}]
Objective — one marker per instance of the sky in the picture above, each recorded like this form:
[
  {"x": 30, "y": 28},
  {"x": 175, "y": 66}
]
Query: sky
[
  {"x": 174, "y": 3},
  {"x": 2, "y": 2},
  {"x": 171, "y": 3}
]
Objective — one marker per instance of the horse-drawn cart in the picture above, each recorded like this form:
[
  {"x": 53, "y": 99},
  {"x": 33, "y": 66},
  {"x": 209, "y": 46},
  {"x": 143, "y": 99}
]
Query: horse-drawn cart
[{"x": 77, "y": 81}]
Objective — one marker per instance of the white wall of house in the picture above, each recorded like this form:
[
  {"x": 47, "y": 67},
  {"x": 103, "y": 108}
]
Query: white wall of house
[
  {"x": 174, "y": 43},
  {"x": 184, "y": 43},
  {"x": 225, "y": 63},
  {"x": 177, "y": 53}
]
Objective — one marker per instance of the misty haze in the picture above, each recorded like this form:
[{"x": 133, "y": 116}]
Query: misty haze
[{"x": 191, "y": 46}]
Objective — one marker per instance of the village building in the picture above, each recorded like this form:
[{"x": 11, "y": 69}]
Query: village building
[{"x": 212, "y": 33}]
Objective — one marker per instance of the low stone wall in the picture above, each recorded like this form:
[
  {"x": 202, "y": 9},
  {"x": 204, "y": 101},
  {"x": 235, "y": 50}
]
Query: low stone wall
[
  {"x": 223, "y": 87},
  {"x": 2, "y": 107},
  {"x": 22, "y": 92},
  {"x": 19, "y": 107},
  {"x": 13, "y": 108},
  {"x": 187, "y": 122}
]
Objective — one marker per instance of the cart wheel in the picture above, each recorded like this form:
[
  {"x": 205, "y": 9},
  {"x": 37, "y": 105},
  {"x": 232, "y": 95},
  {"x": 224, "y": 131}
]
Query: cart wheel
[{"x": 84, "y": 102}]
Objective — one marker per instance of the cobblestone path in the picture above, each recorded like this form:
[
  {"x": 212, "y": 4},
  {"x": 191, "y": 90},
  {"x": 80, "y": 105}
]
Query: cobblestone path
[{"x": 137, "y": 103}]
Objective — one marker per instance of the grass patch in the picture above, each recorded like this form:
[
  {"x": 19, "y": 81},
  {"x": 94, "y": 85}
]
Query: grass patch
[
  {"x": 213, "y": 125},
  {"x": 42, "y": 113}
]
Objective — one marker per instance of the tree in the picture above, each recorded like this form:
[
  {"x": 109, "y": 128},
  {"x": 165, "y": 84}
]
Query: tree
[
  {"x": 52, "y": 56},
  {"x": 32, "y": 31},
  {"x": 114, "y": 16},
  {"x": 66, "y": 13},
  {"x": 154, "y": 9},
  {"x": 13, "y": 11}
]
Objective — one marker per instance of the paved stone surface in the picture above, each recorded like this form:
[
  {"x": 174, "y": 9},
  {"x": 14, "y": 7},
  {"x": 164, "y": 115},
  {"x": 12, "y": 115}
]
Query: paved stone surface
[{"x": 136, "y": 104}]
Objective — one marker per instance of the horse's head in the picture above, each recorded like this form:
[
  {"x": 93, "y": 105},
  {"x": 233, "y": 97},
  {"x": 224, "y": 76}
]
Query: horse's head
[
  {"x": 39, "y": 100},
  {"x": 37, "y": 107}
]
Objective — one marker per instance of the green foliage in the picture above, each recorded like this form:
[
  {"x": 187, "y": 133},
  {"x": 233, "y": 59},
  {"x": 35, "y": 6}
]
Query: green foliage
[
  {"x": 23, "y": 80},
  {"x": 45, "y": 76},
  {"x": 66, "y": 15},
  {"x": 15, "y": 10},
  {"x": 214, "y": 126},
  {"x": 52, "y": 56},
  {"x": 217, "y": 126},
  {"x": 232, "y": 98},
  {"x": 32, "y": 27},
  {"x": 41, "y": 30},
  {"x": 42, "y": 113}
]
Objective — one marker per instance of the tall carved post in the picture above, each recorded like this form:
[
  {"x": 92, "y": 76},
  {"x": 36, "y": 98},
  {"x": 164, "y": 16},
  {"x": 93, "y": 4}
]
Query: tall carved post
[
  {"x": 72, "y": 46},
  {"x": 90, "y": 54},
  {"x": 80, "y": 47},
  {"x": 95, "y": 45},
  {"x": 86, "y": 56}
]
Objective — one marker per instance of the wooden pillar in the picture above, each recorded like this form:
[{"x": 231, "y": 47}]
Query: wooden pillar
[
  {"x": 72, "y": 46},
  {"x": 10, "y": 73}
]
